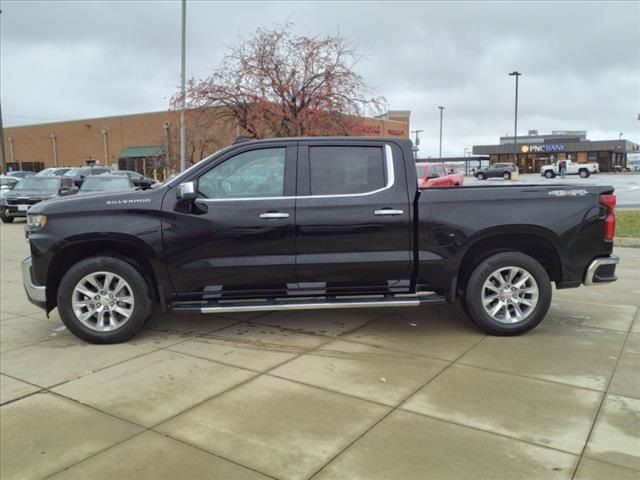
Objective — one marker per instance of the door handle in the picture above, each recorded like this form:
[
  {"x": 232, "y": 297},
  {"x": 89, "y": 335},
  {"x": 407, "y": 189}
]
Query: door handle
[
  {"x": 268, "y": 215},
  {"x": 388, "y": 212}
]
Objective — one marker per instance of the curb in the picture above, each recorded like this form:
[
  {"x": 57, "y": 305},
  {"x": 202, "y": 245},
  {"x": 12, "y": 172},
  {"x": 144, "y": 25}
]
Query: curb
[{"x": 626, "y": 242}]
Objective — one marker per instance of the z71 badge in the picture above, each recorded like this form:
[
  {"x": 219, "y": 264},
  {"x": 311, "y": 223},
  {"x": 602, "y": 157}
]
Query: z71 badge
[{"x": 568, "y": 193}]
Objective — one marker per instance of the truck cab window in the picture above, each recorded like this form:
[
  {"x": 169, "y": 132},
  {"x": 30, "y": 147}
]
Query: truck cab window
[
  {"x": 258, "y": 173},
  {"x": 346, "y": 170}
]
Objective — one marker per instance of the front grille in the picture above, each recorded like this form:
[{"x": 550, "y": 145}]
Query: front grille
[{"x": 21, "y": 201}]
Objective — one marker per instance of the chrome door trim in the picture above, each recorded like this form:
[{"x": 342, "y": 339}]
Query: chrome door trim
[{"x": 391, "y": 179}]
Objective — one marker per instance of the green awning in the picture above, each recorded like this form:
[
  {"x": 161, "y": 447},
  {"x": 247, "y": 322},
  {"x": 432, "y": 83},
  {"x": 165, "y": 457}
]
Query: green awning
[{"x": 142, "y": 151}]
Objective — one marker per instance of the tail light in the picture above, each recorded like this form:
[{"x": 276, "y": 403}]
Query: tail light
[{"x": 608, "y": 201}]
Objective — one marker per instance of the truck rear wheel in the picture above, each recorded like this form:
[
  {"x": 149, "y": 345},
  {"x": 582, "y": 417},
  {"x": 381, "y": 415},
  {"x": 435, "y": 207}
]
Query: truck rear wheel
[
  {"x": 506, "y": 176},
  {"x": 549, "y": 174},
  {"x": 508, "y": 294},
  {"x": 584, "y": 173},
  {"x": 480, "y": 176},
  {"x": 104, "y": 300}
]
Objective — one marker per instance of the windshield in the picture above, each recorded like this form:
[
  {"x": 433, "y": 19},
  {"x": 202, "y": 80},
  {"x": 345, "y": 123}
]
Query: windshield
[
  {"x": 38, "y": 183},
  {"x": 45, "y": 172},
  {"x": 100, "y": 184},
  {"x": 72, "y": 172}
]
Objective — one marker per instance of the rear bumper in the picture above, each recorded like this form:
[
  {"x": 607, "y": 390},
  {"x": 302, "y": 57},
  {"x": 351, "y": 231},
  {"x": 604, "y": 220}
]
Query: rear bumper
[
  {"x": 37, "y": 294},
  {"x": 601, "y": 270}
]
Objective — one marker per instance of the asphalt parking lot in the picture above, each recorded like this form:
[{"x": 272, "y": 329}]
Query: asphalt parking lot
[{"x": 347, "y": 394}]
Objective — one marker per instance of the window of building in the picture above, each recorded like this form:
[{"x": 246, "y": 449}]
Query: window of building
[
  {"x": 346, "y": 170},
  {"x": 258, "y": 173}
]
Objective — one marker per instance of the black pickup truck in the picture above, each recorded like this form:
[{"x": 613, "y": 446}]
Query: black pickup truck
[{"x": 312, "y": 223}]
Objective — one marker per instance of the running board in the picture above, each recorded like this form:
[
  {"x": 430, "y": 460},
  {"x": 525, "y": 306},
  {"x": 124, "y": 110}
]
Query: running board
[{"x": 323, "y": 303}]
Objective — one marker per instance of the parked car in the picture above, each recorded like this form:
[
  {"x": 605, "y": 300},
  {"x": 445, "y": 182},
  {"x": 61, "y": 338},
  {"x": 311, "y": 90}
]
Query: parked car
[
  {"x": 53, "y": 171},
  {"x": 338, "y": 222},
  {"x": 435, "y": 175},
  {"x": 79, "y": 174},
  {"x": 496, "y": 170},
  {"x": 20, "y": 173},
  {"x": 7, "y": 182},
  {"x": 105, "y": 183},
  {"x": 30, "y": 191},
  {"x": 136, "y": 178},
  {"x": 582, "y": 169}
]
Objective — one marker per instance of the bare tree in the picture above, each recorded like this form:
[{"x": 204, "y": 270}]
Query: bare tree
[{"x": 280, "y": 84}]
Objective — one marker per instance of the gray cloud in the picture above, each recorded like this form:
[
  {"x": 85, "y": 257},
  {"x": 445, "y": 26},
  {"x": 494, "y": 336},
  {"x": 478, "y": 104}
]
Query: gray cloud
[{"x": 581, "y": 61}]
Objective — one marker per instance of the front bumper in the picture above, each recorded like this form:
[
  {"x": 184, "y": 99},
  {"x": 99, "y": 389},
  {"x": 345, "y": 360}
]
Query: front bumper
[
  {"x": 12, "y": 211},
  {"x": 37, "y": 294},
  {"x": 601, "y": 270}
]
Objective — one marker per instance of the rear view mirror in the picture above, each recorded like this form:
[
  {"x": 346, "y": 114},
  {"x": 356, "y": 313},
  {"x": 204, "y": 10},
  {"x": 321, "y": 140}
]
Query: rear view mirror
[{"x": 186, "y": 191}]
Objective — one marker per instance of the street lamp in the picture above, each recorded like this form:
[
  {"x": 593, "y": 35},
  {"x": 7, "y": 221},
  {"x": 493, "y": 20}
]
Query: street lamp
[
  {"x": 515, "y": 127},
  {"x": 441, "y": 110},
  {"x": 416, "y": 144},
  {"x": 620, "y": 136}
]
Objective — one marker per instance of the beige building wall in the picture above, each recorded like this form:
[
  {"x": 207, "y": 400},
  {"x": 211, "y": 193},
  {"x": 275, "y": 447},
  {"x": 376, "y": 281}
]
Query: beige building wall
[{"x": 80, "y": 140}]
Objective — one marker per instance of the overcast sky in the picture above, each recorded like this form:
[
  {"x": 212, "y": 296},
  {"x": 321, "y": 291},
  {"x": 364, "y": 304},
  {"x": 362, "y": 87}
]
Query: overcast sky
[{"x": 580, "y": 60}]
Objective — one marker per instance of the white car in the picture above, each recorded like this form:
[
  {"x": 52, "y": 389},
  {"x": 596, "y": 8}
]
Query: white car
[
  {"x": 582, "y": 169},
  {"x": 6, "y": 184}
]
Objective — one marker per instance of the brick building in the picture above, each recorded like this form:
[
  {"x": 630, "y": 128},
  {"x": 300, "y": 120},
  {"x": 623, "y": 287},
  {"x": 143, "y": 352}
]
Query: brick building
[{"x": 144, "y": 141}]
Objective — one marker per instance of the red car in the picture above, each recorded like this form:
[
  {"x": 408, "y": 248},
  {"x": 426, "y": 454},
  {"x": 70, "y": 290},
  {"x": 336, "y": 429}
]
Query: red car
[{"x": 435, "y": 175}]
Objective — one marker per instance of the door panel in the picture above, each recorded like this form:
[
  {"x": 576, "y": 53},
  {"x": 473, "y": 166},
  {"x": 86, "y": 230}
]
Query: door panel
[
  {"x": 237, "y": 239},
  {"x": 352, "y": 236}
]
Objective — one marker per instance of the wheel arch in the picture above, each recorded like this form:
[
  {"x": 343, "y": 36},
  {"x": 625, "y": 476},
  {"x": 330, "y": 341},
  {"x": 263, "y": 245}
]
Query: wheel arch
[
  {"x": 537, "y": 244},
  {"x": 124, "y": 249}
]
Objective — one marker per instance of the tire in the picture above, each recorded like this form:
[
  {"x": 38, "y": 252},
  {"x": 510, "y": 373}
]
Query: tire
[
  {"x": 549, "y": 174},
  {"x": 480, "y": 176},
  {"x": 7, "y": 219},
  {"x": 506, "y": 176},
  {"x": 502, "y": 322},
  {"x": 584, "y": 173},
  {"x": 135, "y": 287}
]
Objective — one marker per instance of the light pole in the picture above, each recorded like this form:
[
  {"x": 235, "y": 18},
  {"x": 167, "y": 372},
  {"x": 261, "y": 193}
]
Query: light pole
[
  {"x": 416, "y": 144},
  {"x": 516, "y": 74},
  {"x": 182, "y": 85},
  {"x": 441, "y": 110},
  {"x": 620, "y": 136}
]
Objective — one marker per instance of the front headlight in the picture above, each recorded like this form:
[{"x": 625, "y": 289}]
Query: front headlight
[{"x": 36, "y": 222}]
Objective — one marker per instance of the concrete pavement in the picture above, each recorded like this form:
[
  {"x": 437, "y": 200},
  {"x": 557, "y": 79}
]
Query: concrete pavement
[{"x": 376, "y": 394}]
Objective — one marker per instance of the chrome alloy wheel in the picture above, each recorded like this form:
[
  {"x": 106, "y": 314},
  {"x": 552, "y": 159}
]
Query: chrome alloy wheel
[
  {"x": 509, "y": 295},
  {"x": 102, "y": 301}
]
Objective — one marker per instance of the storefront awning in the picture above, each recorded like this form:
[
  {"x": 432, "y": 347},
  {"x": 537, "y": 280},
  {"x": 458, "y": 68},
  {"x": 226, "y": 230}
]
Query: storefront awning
[{"x": 142, "y": 151}]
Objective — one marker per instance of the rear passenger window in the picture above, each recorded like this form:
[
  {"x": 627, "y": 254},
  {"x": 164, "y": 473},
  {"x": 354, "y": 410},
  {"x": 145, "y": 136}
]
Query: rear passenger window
[{"x": 345, "y": 170}]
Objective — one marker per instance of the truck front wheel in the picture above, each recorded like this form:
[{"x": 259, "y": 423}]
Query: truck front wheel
[
  {"x": 508, "y": 294},
  {"x": 104, "y": 300}
]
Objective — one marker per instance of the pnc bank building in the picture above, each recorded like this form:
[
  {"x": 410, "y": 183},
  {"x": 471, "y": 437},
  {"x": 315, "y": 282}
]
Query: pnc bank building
[{"x": 535, "y": 150}]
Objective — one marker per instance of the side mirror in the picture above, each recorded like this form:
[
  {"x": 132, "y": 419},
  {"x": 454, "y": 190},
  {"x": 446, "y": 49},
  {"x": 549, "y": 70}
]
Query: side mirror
[{"x": 186, "y": 191}]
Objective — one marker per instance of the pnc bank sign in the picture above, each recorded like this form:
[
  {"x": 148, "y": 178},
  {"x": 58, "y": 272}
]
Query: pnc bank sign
[{"x": 543, "y": 148}]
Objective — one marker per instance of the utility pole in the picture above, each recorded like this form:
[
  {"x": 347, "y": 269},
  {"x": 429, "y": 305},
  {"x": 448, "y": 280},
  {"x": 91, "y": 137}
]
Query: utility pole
[
  {"x": 516, "y": 74},
  {"x": 182, "y": 86},
  {"x": 416, "y": 144},
  {"x": 4, "y": 158},
  {"x": 441, "y": 110}
]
